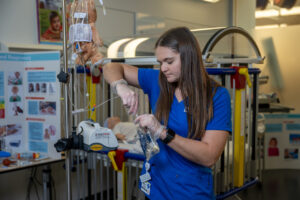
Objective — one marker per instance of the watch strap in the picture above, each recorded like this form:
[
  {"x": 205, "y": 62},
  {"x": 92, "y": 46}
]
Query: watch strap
[{"x": 170, "y": 134}]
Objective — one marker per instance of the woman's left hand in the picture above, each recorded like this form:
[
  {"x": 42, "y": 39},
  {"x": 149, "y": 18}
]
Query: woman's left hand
[{"x": 149, "y": 122}]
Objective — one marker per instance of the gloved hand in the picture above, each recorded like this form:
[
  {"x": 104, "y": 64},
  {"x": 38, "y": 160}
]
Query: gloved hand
[
  {"x": 128, "y": 96},
  {"x": 149, "y": 122}
]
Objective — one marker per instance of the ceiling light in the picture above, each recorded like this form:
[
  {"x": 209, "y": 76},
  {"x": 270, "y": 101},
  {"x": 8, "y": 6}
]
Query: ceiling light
[
  {"x": 112, "y": 51},
  {"x": 211, "y": 1},
  {"x": 283, "y": 25},
  {"x": 293, "y": 11},
  {"x": 130, "y": 48},
  {"x": 267, "y": 26},
  {"x": 271, "y": 26},
  {"x": 266, "y": 13},
  {"x": 206, "y": 29}
]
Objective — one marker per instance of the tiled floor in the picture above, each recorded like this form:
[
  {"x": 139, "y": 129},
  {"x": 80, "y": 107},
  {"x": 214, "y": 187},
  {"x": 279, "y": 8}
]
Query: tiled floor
[{"x": 276, "y": 185}]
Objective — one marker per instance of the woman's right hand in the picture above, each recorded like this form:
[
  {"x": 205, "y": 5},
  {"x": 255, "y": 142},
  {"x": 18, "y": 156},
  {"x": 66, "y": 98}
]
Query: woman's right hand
[{"x": 129, "y": 98}]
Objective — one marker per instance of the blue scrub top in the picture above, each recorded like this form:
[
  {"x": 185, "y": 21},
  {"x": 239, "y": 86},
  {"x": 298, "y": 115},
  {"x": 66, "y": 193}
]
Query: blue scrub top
[{"x": 172, "y": 175}]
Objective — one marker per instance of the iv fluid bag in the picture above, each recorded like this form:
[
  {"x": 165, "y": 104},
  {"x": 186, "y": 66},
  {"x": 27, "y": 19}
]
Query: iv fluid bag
[
  {"x": 80, "y": 33},
  {"x": 148, "y": 144}
]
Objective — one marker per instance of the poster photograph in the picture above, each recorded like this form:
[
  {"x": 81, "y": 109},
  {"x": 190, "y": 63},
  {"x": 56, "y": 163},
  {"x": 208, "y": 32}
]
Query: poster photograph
[
  {"x": 294, "y": 138},
  {"x": 50, "y": 21},
  {"x": 273, "y": 149},
  {"x": 291, "y": 153}
]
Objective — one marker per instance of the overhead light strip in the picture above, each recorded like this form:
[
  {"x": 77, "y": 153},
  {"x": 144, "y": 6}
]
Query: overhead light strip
[
  {"x": 271, "y": 26},
  {"x": 211, "y": 1},
  {"x": 293, "y": 11},
  {"x": 207, "y": 29},
  {"x": 267, "y": 26},
  {"x": 266, "y": 13},
  {"x": 276, "y": 13}
]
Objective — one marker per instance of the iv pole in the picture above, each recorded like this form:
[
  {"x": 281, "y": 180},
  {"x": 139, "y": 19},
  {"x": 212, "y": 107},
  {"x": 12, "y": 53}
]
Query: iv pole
[{"x": 65, "y": 60}]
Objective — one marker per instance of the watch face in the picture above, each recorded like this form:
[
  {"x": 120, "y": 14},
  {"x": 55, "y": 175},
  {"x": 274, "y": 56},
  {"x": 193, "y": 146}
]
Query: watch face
[
  {"x": 169, "y": 137},
  {"x": 171, "y": 132}
]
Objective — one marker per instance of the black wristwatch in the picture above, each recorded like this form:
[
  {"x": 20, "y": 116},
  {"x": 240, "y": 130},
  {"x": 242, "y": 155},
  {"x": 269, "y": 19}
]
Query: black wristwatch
[{"x": 170, "y": 134}]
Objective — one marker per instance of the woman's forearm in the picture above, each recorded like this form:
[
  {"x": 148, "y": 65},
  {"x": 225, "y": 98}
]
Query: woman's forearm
[
  {"x": 113, "y": 72},
  {"x": 116, "y": 71},
  {"x": 204, "y": 152}
]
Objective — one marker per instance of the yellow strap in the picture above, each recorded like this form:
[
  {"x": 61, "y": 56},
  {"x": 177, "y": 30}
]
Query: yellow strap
[{"x": 111, "y": 156}]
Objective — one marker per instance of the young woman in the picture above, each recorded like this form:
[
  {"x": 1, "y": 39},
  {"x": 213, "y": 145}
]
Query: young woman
[{"x": 191, "y": 116}]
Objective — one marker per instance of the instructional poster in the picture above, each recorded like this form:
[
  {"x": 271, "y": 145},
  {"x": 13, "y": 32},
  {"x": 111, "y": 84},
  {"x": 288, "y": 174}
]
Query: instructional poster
[
  {"x": 282, "y": 141},
  {"x": 29, "y": 102}
]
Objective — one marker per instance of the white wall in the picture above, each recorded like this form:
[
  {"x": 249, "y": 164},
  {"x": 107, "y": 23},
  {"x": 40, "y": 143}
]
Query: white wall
[
  {"x": 244, "y": 14},
  {"x": 287, "y": 47},
  {"x": 19, "y": 23}
]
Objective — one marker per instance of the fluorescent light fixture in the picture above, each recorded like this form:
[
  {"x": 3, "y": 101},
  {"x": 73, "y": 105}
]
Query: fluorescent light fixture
[
  {"x": 150, "y": 26},
  {"x": 206, "y": 29},
  {"x": 266, "y": 13},
  {"x": 276, "y": 13},
  {"x": 211, "y": 1},
  {"x": 293, "y": 11},
  {"x": 271, "y": 26},
  {"x": 112, "y": 51},
  {"x": 130, "y": 48},
  {"x": 141, "y": 15},
  {"x": 267, "y": 26},
  {"x": 283, "y": 25}
]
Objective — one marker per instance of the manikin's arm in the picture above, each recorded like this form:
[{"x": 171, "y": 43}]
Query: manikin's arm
[{"x": 120, "y": 136}]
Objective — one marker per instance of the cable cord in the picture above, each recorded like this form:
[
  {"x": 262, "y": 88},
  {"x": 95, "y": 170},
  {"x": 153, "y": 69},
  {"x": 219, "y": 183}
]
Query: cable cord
[
  {"x": 86, "y": 96},
  {"x": 79, "y": 93},
  {"x": 87, "y": 107},
  {"x": 53, "y": 186},
  {"x": 32, "y": 182}
]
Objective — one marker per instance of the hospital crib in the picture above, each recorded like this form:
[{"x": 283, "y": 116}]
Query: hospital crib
[{"x": 97, "y": 176}]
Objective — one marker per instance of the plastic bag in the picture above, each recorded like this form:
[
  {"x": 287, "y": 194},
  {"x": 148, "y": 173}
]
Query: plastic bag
[{"x": 148, "y": 143}]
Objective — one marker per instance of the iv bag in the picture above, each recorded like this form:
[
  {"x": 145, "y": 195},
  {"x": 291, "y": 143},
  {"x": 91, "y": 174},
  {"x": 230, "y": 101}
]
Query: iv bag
[{"x": 148, "y": 144}]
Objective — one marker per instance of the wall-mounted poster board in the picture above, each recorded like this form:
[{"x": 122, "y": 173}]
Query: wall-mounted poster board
[
  {"x": 282, "y": 141},
  {"x": 30, "y": 102}
]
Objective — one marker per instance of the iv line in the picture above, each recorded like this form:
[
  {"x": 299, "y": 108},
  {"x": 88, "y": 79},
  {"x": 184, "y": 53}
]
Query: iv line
[{"x": 86, "y": 110}]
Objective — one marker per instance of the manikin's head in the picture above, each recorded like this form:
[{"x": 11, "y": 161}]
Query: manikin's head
[
  {"x": 54, "y": 21},
  {"x": 112, "y": 121}
]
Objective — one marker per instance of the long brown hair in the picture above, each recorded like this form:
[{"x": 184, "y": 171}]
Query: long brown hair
[{"x": 196, "y": 87}]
